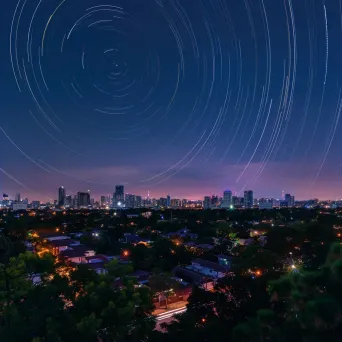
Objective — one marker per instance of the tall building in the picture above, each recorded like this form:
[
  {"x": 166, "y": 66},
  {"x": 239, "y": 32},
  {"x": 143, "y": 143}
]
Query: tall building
[
  {"x": 206, "y": 202},
  {"x": 68, "y": 201},
  {"x": 130, "y": 201},
  {"x": 227, "y": 200},
  {"x": 265, "y": 203},
  {"x": 162, "y": 202},
  {"x": 287, "y": 199},
  {"x": 138, "y": 201},
  {"x": 292, "y": 201},
  {"x": 248, "y": 199},
  {"x": 17, "y": 197},
  {"x": 168, "y": 201},
  {"x": 118, "y": 196},
  {"x": 61, "y": 196},
  {"x": 83, "y": 199},
  {"x": 35, "y": 204},
  {"x": 214, "y": 201},
  {"x": 103, "y": 201}
]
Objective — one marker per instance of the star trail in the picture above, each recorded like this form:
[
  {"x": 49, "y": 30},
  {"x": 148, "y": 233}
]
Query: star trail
[{"x": 171, "y": 96}]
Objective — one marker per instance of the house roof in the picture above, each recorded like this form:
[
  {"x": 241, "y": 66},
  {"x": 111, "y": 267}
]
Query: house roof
[
  {"x": 75, "y": 252},
  {"x": 61, "y": 243},
  {"x": 190, "y": 276},
  {"x": 97, "y": 259},
  {"x": 209, "y": 264}
]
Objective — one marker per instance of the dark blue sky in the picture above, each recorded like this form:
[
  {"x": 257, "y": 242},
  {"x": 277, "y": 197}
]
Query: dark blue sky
[{"x": 181, "y": 97}]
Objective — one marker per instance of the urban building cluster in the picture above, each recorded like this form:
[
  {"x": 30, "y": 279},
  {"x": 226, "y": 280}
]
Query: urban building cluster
[{"x": 121, "y": 200}]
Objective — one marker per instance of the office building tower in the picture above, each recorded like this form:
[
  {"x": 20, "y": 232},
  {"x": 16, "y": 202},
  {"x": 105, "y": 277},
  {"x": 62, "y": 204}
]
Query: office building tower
[
  {"x": 206, "y": 202},
  {"x": 265, "y": 203},
  {"x": 83, "y": 199},
  {"x": 17, "y": 197},
  {"x": 163, "y": 202},
  {"x": 138, "y": 201},
  {"x": 176, "y": 203},
  {"x": 214, "y": 201},
  {"x": 292, "y": 201},
  {"x": 130, "y": 201},
  {"x": 248, "y": 199},
  {"x": 61, "y": 196},
  {"x": 68, "y": 201},
  {"x": 184, "y": 202},
  {"x": 74, "y": 202},
  {"x": 118, "y": 196},
  {"x": 25, "y": 200},
  {"x": 289, "y": 199},
  {"x": 227, "y": 200},
  {"x": 35, "y": 204},
  {"x": 103, "y": 201},
  {"x": 168, "y": 201}
]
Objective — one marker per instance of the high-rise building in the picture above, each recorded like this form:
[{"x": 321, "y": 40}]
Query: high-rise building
[
  {"x": 289, "y": 199},
  {"x": 292, "y": 201},
  {"x": 206, "y": 202},
  {"x": 83, "y": 199},
  {"x": 130, "y": 201},
  {"x": 184, "y": 202},
  {"x": 227, "y": 200},
  {"x": 163, "y": 202},
  {"x": 248, "y": 199},
  {"x": 214, "y": 201},
  {"x": 168, "y": 201},
  {"x": 17, "y": 197},
  {"x": 265, "y": 203},
  {"x": 68, "y": 201},
  {"x": 103, "y": 201},
  {"x": 176, "y": 203},
  {"x": 61, "y": 196},
  {"x": 35, "y": 204},
  {"x": 138, "y": 201},
  {"x": 118, "y": 196}
]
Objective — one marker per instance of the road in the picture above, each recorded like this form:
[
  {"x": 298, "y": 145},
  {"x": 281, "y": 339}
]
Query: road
[{"x": 167, "y": 316}]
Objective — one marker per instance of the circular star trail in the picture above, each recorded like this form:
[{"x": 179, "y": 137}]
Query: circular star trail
[{"x": 159, "y": 91}]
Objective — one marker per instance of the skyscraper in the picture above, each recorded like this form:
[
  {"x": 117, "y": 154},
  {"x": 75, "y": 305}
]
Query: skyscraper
[
  {"x": 61, "y": 196},
  {"x": 138, "y": 201},
  {"x": 17, "y": 197},
  {"x": 83, "y": 199},
  {"x": 168, "y": 201},
  {"x": 227, "y": 199},
  {"x": 248, "y": 199},
  {"x": 103, "y": 201},
  {"x": 206, "y": 202},
  {"x": 130, "y": 201},
  {"x": 289, "y": 199},
  {"x": 118, "y": 196},
  {"x": 68, "y": 201}
]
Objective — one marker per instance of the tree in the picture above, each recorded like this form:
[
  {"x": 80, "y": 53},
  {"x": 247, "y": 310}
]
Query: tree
[
  {"x": 78, "y": 305},
  {"x": 163, "y": 285}
]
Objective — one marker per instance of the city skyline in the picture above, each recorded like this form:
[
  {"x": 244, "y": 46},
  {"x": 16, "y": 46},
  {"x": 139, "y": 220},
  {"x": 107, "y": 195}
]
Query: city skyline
[{"x": 244, "y": 95}]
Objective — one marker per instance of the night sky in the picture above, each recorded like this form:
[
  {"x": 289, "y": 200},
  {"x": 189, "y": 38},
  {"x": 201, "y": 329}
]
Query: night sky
[{"x": 187, "y": 97}]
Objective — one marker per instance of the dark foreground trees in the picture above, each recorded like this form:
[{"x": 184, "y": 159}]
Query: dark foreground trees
[
  {"x": 71, "y": 304},
  {"x": 302, "y": 305}
]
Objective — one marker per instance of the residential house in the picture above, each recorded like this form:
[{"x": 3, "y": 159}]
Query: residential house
[
  {"x": 192, "y": 277},
  {"x": 77, "y": 254},
  {"x": 208, "y": 268}
]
